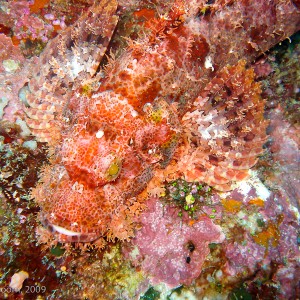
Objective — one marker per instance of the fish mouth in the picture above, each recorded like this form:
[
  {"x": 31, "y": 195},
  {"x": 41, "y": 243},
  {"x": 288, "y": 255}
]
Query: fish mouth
[
  {"x": 65, "y": 231},
  {"x": 64, "y": 235}
]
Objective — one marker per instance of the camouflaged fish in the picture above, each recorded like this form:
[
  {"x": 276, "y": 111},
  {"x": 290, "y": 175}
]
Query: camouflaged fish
[{"x": 181, "y": 99}]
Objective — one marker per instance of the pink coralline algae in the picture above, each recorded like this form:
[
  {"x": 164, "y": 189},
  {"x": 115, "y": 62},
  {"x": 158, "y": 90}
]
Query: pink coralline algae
[
  {"x": 171, "y": 249},
  {"x": 285, "y": 149},
  {"x": 178, "y": 102},
  {"x": 11, "y": 80},
  {"x": 243, "y": 257},
  {"x": 24, "y": 24},
  {"x": 261, "y": 239}
]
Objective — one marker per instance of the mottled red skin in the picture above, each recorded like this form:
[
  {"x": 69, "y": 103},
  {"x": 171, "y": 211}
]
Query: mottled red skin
[{"x": 137, "y": 113}]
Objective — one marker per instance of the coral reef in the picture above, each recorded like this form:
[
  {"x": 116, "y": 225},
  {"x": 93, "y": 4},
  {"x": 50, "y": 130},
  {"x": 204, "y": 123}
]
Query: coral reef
[
  {"x": 260, "y": 244},
  {"x": 20, "y": 163},
  {"x": 131, "y": 130},
  {"x": 19, "y": 20},
  {"x": 286, "y": 155},
  {"x": 31, "y": 24}
]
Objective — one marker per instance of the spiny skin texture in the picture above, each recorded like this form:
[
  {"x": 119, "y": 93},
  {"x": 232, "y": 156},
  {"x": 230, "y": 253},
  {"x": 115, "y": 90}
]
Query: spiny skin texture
[
  {"x": 225, "y": 132},
  {"x": 68, "y": 61},
  {"x": 170, "y": 92}
]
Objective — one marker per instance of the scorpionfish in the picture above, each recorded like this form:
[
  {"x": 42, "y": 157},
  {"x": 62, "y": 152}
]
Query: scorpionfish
[{"x": 169, "y": 101}]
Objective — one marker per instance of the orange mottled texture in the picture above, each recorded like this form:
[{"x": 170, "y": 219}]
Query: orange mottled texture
[
  {"x": 270, "y": 235},
  {"x": 257, "y": 201},
  {"x": 173, "y": 103},
  {"x": 82, "y": 209},
  {"x": 231, "y": 205},
  {"x": 38, "y": 5}
]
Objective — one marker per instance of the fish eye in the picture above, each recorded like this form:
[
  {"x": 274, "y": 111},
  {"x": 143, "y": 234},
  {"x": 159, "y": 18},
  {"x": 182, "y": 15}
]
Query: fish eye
[{"x": 114, "y": 169}]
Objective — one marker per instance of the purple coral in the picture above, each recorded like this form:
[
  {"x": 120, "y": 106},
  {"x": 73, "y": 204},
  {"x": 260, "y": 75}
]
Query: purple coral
[{"x": 172, "y": 249}]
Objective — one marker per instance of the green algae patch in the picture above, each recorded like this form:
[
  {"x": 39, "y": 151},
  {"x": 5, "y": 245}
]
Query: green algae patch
[
  {"x": 151, "y": 294},
  {"x": 57, "y": 250}
]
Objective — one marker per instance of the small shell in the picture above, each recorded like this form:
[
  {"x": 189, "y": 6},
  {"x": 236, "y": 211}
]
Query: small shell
[{"x": 17, "y": 280}]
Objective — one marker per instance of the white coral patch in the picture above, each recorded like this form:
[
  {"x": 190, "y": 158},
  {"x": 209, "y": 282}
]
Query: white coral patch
[
  {"x": 3, "y": 103},
  {"x": 254, "y": 182},
  {"x": 25, "y": 131},
  {"x": 11, "y": 65},
  {"x": 261, "y": 190}
]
